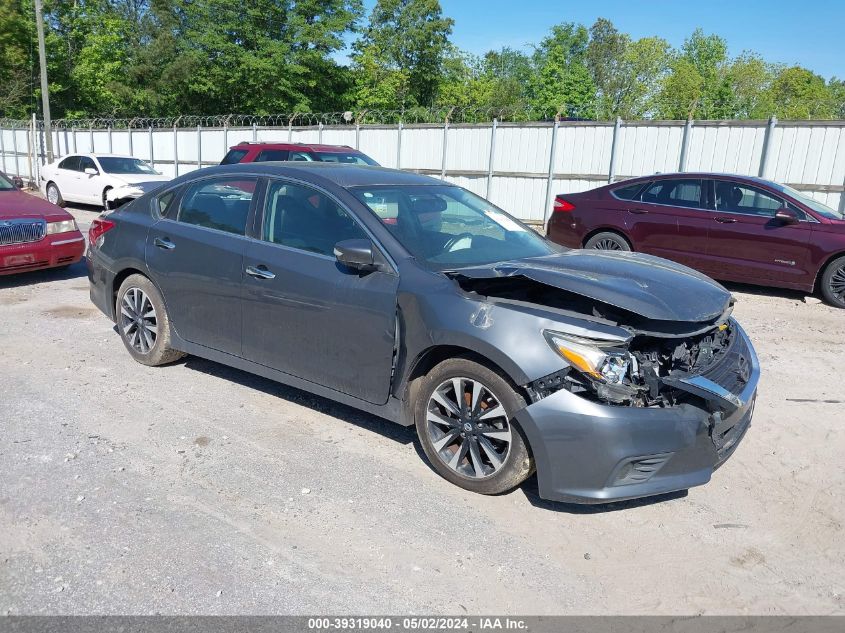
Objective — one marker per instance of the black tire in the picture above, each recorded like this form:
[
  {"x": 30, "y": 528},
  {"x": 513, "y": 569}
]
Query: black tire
[
  {"x": 59, "y": 200},
  {"x": 608, "y": 241},
  {"x": 833, "y": 282},
  {"x": 516, "y": 465},
  {"x": 105, "y": 200},
  {"x": 159, "y": 352}
]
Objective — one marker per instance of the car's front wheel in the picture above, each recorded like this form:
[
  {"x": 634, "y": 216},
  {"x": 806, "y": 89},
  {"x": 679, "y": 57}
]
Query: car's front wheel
[
  {"x": 143, "y": 322},
  {"x": 833, "y": 282},
  {"x": 464, "y": 419}
]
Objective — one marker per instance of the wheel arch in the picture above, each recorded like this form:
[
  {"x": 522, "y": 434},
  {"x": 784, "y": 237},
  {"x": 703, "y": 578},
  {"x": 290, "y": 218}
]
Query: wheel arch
[
  {"x": 822, "y": 267},
  {"x": 122, "y": 276},
  {"x": 428, "y": 358},
  {"x": 607, "y": 229}
]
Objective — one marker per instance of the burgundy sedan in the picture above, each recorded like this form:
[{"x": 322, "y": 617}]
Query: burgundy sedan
[
  {"x": 35, "y": 234},
  {"x": 734, "y": 228}
]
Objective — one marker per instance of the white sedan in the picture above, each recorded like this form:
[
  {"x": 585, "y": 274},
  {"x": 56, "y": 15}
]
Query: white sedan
[{"x": 103, "y": 179}]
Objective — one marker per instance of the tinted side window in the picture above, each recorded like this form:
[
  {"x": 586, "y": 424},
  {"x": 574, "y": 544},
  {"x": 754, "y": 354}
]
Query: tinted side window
[
  {"x": 734, "y": 197},
  {"x": 304, "y": 218},
  {"x": 302, "y": 156},
  {"x": 163, "y": 203},
  {"x": 272, "y": 154},
  {"x": 86, "y": 162},
  {"x": 219, "y": 203},
  {"x": 234, "y": 156},
  {"x": 628, "y": 192},
  {"x": 677, "y": 192},
  {"x": 71, "y": 162}
]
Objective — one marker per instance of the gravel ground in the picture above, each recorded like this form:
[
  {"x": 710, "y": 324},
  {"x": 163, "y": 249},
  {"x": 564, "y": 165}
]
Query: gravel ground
[{"x": 196, "y": 488}]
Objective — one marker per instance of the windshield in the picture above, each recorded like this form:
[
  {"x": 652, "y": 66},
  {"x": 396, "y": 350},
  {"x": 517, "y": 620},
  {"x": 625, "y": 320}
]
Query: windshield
[
  {"x": 5, "y": 183},
  {"x": 447, "y": 227},
  {"x": 119, "y": 165},
  {"x": 345, "y": 157},
  {"x": 815, "y": 205}
]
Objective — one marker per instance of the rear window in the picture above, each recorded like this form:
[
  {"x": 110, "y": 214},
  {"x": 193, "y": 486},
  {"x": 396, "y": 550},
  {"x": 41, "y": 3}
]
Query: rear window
[
  {"x": 234, "y": 156},
  {"x": 629, "y": 192},
  {"x": 272, "y": 154},
  {"x": 353, "y": 158}
]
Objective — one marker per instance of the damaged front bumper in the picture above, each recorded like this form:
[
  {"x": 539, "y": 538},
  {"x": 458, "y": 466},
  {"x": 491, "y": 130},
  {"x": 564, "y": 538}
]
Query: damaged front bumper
[{"x": 589, "y": 452}]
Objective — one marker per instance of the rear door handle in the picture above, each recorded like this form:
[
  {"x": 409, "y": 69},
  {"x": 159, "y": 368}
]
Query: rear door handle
[
  {"x": 638, "y": 211},
  {"x": 260, "y": 272},
  {"x": 726, "y": 220},
  {"x": 163, "y": 242}
]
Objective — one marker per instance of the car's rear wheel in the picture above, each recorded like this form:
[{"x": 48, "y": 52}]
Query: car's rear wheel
[
  {"x": 833, "y": 282},
  {"x": 105, "y": 198},
  {"x": 143, "y": 322},
  {"x": 608, "y": 241},
  {"x": 54, "y": 195},
  {"x": 464, "y": 419}
]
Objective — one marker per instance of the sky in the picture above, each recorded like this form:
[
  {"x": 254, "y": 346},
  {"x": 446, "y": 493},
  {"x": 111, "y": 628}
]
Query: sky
[{"x": 809, "y": 33}]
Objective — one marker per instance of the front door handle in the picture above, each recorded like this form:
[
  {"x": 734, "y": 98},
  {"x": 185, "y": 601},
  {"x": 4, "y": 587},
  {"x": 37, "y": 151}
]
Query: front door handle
[
  {"x": 163, "y": 242},
  {"x": 638, "y": 211},
  {"x": 260, "y": 272},
  {"x": 726, "y": 220}
]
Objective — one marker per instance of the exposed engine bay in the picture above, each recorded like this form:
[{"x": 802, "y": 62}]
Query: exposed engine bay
[{"x": 628, "y": 375}]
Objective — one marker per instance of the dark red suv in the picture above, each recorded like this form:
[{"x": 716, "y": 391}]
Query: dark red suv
[
  {"x": 254, "y": 152},
  {"x": 734, "y": 228}
]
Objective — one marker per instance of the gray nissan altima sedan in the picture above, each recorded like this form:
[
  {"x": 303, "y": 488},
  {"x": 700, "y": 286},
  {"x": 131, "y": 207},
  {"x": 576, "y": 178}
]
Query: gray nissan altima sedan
[{"x": 614, "y": 375}]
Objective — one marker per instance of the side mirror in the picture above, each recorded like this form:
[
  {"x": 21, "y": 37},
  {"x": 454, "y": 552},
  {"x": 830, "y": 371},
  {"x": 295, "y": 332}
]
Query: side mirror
[
  {"x": 785, "y": 215},
  {"x": 91, "y": 171},
  {"x": 356, "y": 254}
]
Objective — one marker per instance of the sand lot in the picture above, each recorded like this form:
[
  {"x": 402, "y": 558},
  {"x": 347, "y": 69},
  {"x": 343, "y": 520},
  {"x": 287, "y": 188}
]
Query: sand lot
[{"x": 196, "y": 488}]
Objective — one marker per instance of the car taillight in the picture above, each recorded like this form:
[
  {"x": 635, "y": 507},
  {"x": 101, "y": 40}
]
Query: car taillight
[
  {"x": 99, "y": 227},
  {"x": 563, "y": 205}
]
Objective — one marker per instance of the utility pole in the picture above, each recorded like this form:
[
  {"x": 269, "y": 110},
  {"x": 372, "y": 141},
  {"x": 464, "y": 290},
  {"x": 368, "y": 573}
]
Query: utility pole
[{"x": 45, "y": 89}]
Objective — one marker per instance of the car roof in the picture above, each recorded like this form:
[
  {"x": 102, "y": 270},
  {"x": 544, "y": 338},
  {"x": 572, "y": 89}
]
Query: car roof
[
  {"x": 341, "y": 175},
  {"x": 693, "y": 174},
  {"x": 97, "y": 155},
  {"x": 317, "y": 147}
]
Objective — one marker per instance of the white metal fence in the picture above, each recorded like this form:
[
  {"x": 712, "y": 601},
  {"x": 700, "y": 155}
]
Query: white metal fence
[{"x": 519, "y": 166}]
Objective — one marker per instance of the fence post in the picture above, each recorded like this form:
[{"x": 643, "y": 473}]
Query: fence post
[
  {"x": 290, "y": 130},
  {"x": 73, "y": 136},
  {"x": 767, "y": 146},
  {"x": 67, "y": 145},
  {"x": 549, "y": 181},
  {"x": 357, "y": 135},
  {"x": 175, "y": 149},
  {"x": 226, "y": 136},
  {"x": 30, "y": 144},
  {"x": 254, "y": 131},
  {"x": 111, "y": 151},
  {"x": 320, "y": 132},
  {"x": 199, "y": 147},
  {"x": 399, "y": 147},
  {"x": 91, "y": 138},
  {"x": 15, "y": 147},
  {"x": 492, "y": 158},
  {"x": 2, "y": 151},
  {"x": 129, "y": 139},
  {"x": 445, "y": 147},
  {"x": 152, "y": 155},
  {"x": 682, "y": 161},
  {"x": 613, "y": 153}
]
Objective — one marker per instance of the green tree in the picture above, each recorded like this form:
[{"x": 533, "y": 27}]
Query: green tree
[
  {"x": 749, "y": 80},
  {"x": 16, "y": 35},
  {"x": 561, "y": 81},
  {"x": 405, "y": 45},
  {"x": 798, "y": 93}
]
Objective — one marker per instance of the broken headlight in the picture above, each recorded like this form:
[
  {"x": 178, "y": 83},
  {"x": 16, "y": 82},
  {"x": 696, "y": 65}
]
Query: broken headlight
[{"x": 601, "y": 360}]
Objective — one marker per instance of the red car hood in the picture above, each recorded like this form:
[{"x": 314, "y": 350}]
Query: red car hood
[{"x": 17, "y": 204}]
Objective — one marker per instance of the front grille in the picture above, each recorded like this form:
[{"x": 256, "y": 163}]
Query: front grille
[
  {"x": 733, "y": 371},
  {"x": 21, "y": 231},
  {"x": 727, "y": 433}
]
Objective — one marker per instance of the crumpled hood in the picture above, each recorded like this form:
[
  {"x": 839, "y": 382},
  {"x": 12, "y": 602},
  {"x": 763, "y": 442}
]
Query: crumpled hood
[
  {"x": 652, "y": 287},
  {"x": 141, "y": 179}
]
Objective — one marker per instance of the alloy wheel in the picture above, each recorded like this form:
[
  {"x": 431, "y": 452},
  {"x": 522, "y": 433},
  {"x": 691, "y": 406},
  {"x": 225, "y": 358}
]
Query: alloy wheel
[
  {"x": 608, "y": 244},
  {"x": 138, "y": 320},
  {"x": 837, "y": 283},
  {"x": 52, "y": 194},
  {"x": 468, "y": 427}
]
